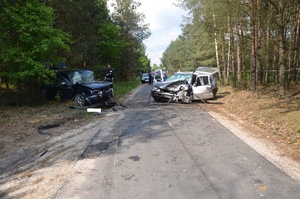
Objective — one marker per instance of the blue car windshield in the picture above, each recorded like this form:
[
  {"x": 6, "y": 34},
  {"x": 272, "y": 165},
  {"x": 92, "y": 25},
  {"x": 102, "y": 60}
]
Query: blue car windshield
[
  {"x": 84, "y": 76},
  {"x": 179, "y": 76}
]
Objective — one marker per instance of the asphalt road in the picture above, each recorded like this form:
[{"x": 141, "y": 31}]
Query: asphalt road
[{"x": 160, "y": 150}]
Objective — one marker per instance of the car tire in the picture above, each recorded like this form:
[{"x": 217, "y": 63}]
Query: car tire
[
  {"x": 112, "y": 93},
  {"x": 160, "y": 100},
  {"x": 185, "y": 95},
  {"x": 214, "y": 93},
  {"x": 191, "y": 98},
  {"x": 79, "y": 99},
  {"x": 156, "y": 99}
]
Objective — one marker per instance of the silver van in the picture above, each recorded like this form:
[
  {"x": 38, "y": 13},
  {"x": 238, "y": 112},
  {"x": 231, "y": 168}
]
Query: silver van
[{"x": 204, "y": 83}]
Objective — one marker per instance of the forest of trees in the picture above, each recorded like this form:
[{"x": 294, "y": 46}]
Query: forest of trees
[
  {"x": 251, "y": 42},
  {"x": 78, "y": 33}
]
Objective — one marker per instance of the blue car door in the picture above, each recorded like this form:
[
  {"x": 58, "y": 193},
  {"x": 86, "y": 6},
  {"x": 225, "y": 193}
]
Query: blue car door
[{"x": 59, "y": 88}]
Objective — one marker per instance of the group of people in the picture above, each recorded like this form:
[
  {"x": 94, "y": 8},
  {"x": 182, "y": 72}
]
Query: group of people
[
  {"x": 110, "y": 72},
  {"x": 161, "y": 76}
]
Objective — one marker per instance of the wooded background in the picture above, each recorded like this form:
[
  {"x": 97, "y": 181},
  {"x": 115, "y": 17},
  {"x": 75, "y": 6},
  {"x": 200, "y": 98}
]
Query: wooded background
[
  {"x": 79, "y": 33},
  {"x": 251, "y": 42}
]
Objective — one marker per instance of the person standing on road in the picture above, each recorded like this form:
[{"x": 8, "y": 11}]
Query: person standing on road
[
  {"x": 150, "y": 77},
  {"x": 165, "y": 75},
  {"x": 109, "y": 74}
]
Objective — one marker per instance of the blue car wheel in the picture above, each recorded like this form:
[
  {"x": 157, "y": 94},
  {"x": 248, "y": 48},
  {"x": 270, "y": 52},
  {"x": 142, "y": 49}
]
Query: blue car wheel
[{"x": 79, "y": 99}]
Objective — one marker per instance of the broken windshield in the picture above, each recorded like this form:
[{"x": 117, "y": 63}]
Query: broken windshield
[
  {"x": 82, "y": 76},
  {"x": 179, "y": 76}
]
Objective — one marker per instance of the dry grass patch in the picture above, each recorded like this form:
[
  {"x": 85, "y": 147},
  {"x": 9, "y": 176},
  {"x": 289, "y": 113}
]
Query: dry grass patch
[{"x": 279, "y": 119}]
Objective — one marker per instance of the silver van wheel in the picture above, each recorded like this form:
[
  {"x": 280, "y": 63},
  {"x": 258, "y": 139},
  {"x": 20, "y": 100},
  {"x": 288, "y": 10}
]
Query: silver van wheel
[{"x": 214, "y": 93}]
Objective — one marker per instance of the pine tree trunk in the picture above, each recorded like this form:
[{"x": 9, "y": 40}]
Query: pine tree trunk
[
  {"x": 238, "y": 46},
  {"x": 267, "y": 60},
  {"x": 229, "y": 48},
  {"x": 290, "y": 51},
  {"x": 258, "y": 41},
  {"x": 275, "y": 65},
  {"x": 224, "y": 61},
  {"x": 216, "y": 49},
  {"x": 253, "y": 47},
  {"x": 296, "y": 47},
  {"x": 281, "y": 49}
]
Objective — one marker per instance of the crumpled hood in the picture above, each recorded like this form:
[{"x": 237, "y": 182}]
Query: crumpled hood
[
  {"x": 169, "y": 85},
  {"x": 96, "y": 85}
]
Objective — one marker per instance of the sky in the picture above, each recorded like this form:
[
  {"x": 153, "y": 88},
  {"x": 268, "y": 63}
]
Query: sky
[{"x": 164, "y": 21}]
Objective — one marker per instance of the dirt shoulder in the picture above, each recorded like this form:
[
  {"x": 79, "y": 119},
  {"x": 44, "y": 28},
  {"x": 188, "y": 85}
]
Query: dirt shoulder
[
  {"x": 263, "y": 116},
  {"x": 23, "y": 127}
]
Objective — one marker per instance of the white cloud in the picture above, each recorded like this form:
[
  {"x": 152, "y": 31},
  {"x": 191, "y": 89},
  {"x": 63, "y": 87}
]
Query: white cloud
[{"x": 164, "y": 21}]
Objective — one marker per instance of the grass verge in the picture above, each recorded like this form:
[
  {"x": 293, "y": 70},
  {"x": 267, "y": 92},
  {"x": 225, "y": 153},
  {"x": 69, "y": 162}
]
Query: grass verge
[
  {"x": 31, "y": 106},
  {"x": 122, "y": 88}
]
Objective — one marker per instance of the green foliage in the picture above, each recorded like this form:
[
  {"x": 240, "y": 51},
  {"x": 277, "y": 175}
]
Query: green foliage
[
  {"x": 57, "y": 96},
  {"x": 123, "y": 87},
  {"x": 133, "y": 31},
  {"x": 84, "y": 21},
  {"x": 98, "y": 38},
  {"x": 195, "y": 47},
  {"x": 129, "y": 20},
  {"x": 249, "y": 38},
  {"x": 28, "y": 39},
  {"x": 144, "y": 64},
  {"x": 111, "y": 43},
  {"x": 82, "y": 33}
]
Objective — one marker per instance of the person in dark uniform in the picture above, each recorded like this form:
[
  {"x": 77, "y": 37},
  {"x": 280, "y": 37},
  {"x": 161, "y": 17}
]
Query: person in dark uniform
[
  {"x": 150, "y": 77},
  {"x": 109, "y": 74}
]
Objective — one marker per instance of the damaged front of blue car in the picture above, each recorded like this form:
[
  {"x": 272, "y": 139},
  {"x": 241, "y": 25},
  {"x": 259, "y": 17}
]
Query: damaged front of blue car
[{"x": 79, "y": 85}]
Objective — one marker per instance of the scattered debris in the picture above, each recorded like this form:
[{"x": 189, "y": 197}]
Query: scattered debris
[
  {"x": 50, "y": 126},
  {"x": 44, "y": 153},
  {"x": 76, "y": 107},
  {"x": 94, "y": 110}
]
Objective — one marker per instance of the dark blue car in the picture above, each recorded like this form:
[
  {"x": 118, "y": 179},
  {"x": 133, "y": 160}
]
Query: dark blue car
[{"x": 79, "y": 85}]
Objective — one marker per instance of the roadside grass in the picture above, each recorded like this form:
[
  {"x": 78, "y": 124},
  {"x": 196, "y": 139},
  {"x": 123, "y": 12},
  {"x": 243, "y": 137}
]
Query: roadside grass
[
  {"x": 32, "y": 106},
  {"x": 124, "y": 87}
]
